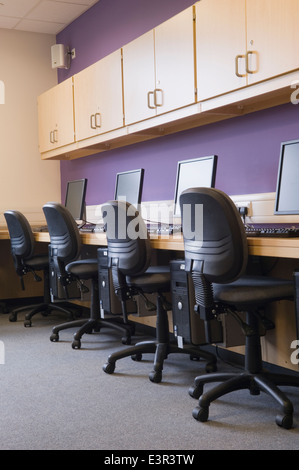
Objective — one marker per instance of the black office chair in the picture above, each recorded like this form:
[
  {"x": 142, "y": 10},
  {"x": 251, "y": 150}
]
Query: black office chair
[
  {"x": 217, "y": 261},
  {"x": 65, "y": 247},
  {"x": 27, "y": 261},
  {"x": 129, "y": 257}
]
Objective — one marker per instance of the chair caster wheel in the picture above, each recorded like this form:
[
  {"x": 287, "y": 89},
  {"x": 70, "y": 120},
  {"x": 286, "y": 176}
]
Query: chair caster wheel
[
  {"x": 54, "y": 337},
  {"x": 126, "y": 340},
  {"x": 27, "y": 323},
  {"x": 201, "y": 414},
  {"x": 196, "y": 392},
  {"x": 76, "y": 344},
  {"x": 285, "y": 421},
  {"x": 155, "y": 376},
  {"x": 136, "y": 357},
  {"x": 211, "y": 367},
  {"x": 13, "y": 317},
  {"x": 109, "y": 368}
]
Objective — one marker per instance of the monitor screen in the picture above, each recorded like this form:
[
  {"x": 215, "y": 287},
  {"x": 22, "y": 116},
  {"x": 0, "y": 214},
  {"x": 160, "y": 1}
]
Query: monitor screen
[
  {"x": 75, "y": 198},
  {"x": 195, "y": 173},
  {"x": 129, "y": 186},
  {"x": 287, "y": 189}
]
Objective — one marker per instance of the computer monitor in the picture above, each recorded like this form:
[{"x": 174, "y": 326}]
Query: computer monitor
[
  {"x": 129, "y": 186},
  {"x": 287, "y": 189},
  {"x": 194, "y": 173},
  {"x": 75, "y": 198}
]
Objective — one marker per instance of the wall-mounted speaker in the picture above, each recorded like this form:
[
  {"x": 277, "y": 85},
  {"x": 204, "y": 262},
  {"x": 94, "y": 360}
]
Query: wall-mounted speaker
[{"x": 60, "y": 56}]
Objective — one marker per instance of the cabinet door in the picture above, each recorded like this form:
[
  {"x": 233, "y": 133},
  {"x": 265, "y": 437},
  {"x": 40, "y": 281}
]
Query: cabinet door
[
  {"x": 220, "y": 47},
  {"x": 56, "y": 116},
  {"x": 272, "y": 38},
  {"x": 98, "y": 97},
  {"x": 174, "y": 52},
  {"x": 139, "y": 78},
  {"x": 45, "y": 121}
]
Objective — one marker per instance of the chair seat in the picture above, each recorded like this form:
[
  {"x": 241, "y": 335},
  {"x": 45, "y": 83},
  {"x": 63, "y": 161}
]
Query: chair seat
[
  {"x": 83, "y": 269},
  {"x": 253, "y": 291},
  {"x": 38, "y": 262},
  {"x": 156, "y": 278}
]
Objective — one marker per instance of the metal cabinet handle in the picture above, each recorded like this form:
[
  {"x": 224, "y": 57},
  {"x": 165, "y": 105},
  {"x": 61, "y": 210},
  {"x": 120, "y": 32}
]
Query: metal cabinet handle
[
  {"x": 92, "y": 121},
  {"x": 150, "y": 93},
  {"x": 54, "y": 136},
  {"x": 249, "y": 54},
  {"x": 237, "y": 65},
  {"x": 156, "y": 92},
  {"x": 98, "y": 122}
]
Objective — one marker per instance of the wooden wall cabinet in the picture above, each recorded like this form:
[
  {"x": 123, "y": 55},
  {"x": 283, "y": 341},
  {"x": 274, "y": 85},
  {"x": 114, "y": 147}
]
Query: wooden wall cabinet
[
  {"x": 98, "y": 97},
  {"x": 56, "y": 117},
  {"x": 158, "y": 69},
  {"x": 215, "y": 60},
  {"x": 240, "y": 43},
  {"x": 220, "y": 46},
  {"x": 272, "y": 37}
]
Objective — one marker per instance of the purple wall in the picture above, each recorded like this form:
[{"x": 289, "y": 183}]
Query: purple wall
[
  {"x": 248, "y": 147},
  {"x": 110, "y": 24}
]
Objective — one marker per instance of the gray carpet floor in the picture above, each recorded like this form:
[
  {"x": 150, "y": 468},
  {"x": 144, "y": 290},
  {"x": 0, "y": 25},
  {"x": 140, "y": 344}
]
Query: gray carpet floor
[{"x": 57, "y": 398}]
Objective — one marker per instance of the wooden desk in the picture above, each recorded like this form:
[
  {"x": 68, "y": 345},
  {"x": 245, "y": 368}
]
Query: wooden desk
[
  {"x": 258, "y": 246},
  {"x": 4, "y": 234},
  {"x": 274, "y": 247}
]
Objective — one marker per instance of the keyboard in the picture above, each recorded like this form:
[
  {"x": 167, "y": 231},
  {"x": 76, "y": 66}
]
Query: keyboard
[
  {"x": 90, "y": 228},
  {"x": 87, "y": 228},
  {"x": 163, "y": 229},
  {"x": 282, "y": 232},
  {"x": 41, "y": 228}
]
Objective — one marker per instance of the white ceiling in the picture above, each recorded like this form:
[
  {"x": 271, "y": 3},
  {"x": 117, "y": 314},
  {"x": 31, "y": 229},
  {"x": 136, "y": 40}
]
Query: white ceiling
[{"x": 41, "y": 16}]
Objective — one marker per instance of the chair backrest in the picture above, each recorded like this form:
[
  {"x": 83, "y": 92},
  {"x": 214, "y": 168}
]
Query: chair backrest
[
  {"x": 128, "y": 241},
  {"x": 65, "y": 243},
  {"x": 215, "y": 245},
  {"x": 21, "y": 238},
  {"x": 221, "y": 251}
]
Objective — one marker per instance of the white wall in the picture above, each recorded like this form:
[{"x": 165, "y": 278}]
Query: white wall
[{"x": 26, "y": 182}]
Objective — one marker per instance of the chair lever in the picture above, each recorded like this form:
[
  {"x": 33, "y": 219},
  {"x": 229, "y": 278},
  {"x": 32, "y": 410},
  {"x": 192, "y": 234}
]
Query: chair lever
[
  {"x": 22, "y": 282},
  {"x": 37, "y": 278},
  {"x": 166, "y": 305},
  {"x": 150, "y": 306},
  {"x": 246, "y": 329},
  {"x": 266, "y": 322},
  {"x": 83, "y": 288}
]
